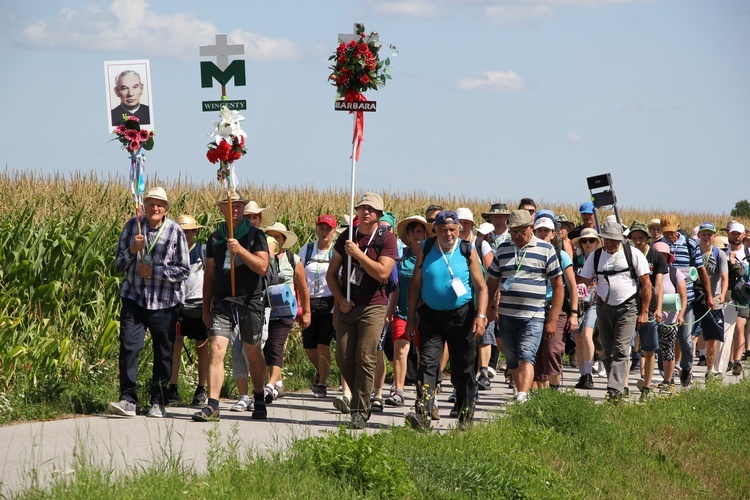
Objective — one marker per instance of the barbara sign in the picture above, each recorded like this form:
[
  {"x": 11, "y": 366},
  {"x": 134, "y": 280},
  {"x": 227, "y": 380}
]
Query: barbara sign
[{"x": 356, "y": 106}]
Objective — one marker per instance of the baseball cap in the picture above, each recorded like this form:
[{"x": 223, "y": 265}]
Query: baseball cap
[
  {"x": 544, "y": 222},
  {"x": 446, "y": 217},
  {"x": 707, "y": 226},
  {"x": 587, "y": 208},
  {"x": 327, "y": 219},
  {"x": 736, "y": 227}
]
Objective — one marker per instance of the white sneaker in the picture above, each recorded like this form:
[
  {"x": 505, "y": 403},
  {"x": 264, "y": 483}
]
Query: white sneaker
[
  {"x": 242, "y": 404},
  {"x": 157, "y": 411},
  {"x": 122, "y": 408},
  {"x": 491, "y": 372}
]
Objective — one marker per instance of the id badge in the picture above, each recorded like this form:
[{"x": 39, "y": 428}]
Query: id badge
[
  {"x": 316, "y": 287},
  {"x": 147, "y": 259},
  {"x": 509, "y": 283},
  {"x": 227, "y": 262},
  {"x": 356, "y": 276},
  {"x": 458, "y": 287}
]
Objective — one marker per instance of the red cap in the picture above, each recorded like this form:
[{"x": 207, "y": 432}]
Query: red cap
[{"x": 327, "y": 219}]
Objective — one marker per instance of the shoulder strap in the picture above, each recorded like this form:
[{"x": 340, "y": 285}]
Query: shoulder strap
[
  {"x": 428, "y": 244},
  {"x": 308, "y": 252},
  {"x": 629, "y": 258},
  {"x": 673, "y": 276},
  {"x": 466, "y": 247},
  {"x": 597, "y": 256},
  {"x": 691, "y": 254},
  {"x": 716, "y": 254},
  {"x": 290, "y": 257}
]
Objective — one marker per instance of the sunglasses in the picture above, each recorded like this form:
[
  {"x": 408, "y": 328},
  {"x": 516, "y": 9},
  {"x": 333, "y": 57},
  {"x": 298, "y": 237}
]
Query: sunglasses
[{"x": 588, "y": 240}]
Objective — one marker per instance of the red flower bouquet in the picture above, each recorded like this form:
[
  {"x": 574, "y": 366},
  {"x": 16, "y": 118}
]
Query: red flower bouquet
[
  {"x": 357, "y": 66},
  {"x": 132, "y": 137}
]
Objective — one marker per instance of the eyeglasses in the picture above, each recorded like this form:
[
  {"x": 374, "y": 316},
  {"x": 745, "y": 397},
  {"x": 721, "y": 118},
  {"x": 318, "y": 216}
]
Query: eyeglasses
[
  {"x": 431, "y": 220},
  {"x": 531, "y": 211},
  {"x": 386, "y": 227},
  {"x": 588, "y": 240},
  {"x": 517, "y": 232}
]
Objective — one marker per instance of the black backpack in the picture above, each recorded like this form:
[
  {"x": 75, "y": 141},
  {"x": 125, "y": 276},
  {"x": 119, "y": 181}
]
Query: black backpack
[{"x": 629, "y": 259}]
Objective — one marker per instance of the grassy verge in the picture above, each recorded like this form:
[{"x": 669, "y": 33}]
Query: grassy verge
[{"x": 555, "y": 446}]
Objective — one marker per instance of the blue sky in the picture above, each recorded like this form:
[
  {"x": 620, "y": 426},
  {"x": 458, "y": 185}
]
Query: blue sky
[{"x": 497, "y": 99}]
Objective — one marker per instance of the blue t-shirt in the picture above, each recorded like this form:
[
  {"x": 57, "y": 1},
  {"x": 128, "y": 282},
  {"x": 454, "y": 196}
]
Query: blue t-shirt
[
  {"x": 437, "y": 291},
  {"x": 405, "y": 274}
]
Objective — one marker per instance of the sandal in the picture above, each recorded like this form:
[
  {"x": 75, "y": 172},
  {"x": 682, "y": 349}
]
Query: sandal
[
  {"x": 207, "y": 414},
  {"x": 377, "y": 404},
  {"x": 395, "y": 399}
]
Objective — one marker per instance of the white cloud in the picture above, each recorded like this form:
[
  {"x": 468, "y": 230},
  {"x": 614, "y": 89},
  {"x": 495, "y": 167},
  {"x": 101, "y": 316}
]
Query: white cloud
[
  {"x": 633, "y": 107},
  {"x": 575, "y": 137},
  {"x": 409, "y": 8},
  {"x": 130, "y": 25},
  {"x": 497, "y": 81}
]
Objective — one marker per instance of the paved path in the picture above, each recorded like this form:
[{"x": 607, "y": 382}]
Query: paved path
[{"x": 40, "y": 451}]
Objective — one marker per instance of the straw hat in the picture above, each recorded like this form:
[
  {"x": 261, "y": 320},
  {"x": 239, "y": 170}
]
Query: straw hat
[
  {"x": 187, "y": 222},
  {"x": 401, "y": 228},
  {"x": 279, "y": 228},
  {"x": 585, "y": 234},
  {"x": 268, "y": 214}
]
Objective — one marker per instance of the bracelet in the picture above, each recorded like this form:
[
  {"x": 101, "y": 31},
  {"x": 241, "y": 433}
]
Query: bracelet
[{"x": 479, "y": 315}]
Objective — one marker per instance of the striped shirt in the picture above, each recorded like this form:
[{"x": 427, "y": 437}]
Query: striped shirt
[
  {"x": 681, "y": 262},
  {"x": 531, "y": 267},
  {"x": 170, "y": 261}
]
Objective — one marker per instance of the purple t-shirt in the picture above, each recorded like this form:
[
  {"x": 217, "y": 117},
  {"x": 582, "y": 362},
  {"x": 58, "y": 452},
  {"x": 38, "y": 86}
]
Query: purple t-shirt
[{"x": 369, "y": 291}]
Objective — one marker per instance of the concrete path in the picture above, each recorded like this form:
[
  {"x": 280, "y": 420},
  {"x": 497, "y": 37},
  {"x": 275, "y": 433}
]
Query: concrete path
[{"x": 38, "y": 452}]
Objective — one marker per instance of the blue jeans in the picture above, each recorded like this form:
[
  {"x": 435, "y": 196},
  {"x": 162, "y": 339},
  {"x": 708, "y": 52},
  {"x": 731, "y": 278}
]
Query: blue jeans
[
  {"x": 521, "y": 338},
  {"x": 649, "y": 335}
]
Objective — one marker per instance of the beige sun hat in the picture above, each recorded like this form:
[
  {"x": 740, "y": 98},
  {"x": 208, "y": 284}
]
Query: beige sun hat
[
  {"x": 188, "y": 222},
  {"x": 157, "y": 193},
  {"x": 401, "y": 228},
  {"x": 268, "y": 214},
  {"x": 279, "y": 228},
  {"x": 585, "y": 234},
  {"x": 235, "y": 195}
]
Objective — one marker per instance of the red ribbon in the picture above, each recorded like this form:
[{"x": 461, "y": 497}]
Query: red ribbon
[{"x": 359, "y": 127}]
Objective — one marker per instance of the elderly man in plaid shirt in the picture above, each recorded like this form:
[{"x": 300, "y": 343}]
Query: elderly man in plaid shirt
[{"x": 155, "y": 261}]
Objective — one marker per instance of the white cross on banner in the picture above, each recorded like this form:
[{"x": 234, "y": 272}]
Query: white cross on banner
[{"x": 222, "y": 51}]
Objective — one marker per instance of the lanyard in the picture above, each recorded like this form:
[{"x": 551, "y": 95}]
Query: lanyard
[
  {"x": 156, "y": 238},
  {"x": 445, "y": 259},
  {"x": 356, "y": 232},
  {"x": 523, "y": 256}
]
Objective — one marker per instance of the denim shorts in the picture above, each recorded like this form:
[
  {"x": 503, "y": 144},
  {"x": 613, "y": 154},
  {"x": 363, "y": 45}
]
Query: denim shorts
[
  {"x": 589, "y": 318},
  {"x": 521, "y": 338},
  {"x": 488, "y": 337},
  {"x": 227, "y": 317}
]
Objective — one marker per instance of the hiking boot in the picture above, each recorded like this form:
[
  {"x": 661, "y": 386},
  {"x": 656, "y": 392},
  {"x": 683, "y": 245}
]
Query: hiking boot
[
  {"x": 200, "y": 398},
  {"x": 613, "y": 396},
  {"x": 320, "y": 391},
  {"x": 315, "y": 380},
  {"x": 702, "y": 361},
  {"x": 341, "y": 403},
  {"x": 483, "y": 383},
  {"x": 509, "y": 379},
  {"x": 686, "y": 378},
  {"x": 645, "y": 392},
  {"x": 172, "y": 394},
  {"x": 259, "y": 412},
  {"x": 242, "y": 404},
  {"x": 207, "y": 414},
  {"x": 122, "y": 408},
  {"x": 157, "y": 411},
  {"x": 358, "y": 421},
  {"x": 586, "y": 381},
  {"x": 737, "y": 368},
  {"x": 417, "y": 421},
  {"x": 745, "y": 355},
  {"x": 666, "y": 387}
]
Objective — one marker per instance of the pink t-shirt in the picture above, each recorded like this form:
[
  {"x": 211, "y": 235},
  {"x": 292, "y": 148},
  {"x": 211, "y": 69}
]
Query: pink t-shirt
[{"x": 671, "y": 316}]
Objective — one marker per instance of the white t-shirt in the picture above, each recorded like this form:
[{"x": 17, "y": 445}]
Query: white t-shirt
[
  {"x": 622, "y": 284},
  {"x": 315, "y": 270}
]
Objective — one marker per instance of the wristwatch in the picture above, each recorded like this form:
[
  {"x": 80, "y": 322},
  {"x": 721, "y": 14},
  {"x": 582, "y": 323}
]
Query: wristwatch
[
  {"x": 482, "y": 316},
  {"x": 576, "y": 311}
]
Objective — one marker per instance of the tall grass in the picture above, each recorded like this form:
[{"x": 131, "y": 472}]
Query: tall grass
[
  {"x": 557, "y": 445},
  {"x": 59, "y": 295}
]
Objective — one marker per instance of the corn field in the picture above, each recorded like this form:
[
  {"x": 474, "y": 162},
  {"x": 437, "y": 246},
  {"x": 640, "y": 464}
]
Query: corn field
[{"x": 59, "y": 295}]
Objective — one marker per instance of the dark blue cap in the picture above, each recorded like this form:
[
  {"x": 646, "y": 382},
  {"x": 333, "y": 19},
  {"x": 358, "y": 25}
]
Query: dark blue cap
[{"x": 446, "y": 217}]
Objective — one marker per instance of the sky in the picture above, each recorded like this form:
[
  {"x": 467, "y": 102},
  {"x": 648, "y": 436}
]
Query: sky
[{"x": 495, "y": 99}]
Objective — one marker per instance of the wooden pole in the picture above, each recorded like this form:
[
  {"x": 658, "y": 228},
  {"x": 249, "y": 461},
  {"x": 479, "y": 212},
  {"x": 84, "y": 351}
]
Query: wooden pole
[{"x": 230, "y": 227}]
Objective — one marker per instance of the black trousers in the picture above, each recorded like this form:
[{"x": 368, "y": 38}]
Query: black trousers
[
  {"x": 454, "y": 327},
  {"x": 134, "y": 320}
]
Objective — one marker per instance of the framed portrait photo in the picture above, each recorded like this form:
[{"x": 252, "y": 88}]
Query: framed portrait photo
[{"x": 128, "y": 86}]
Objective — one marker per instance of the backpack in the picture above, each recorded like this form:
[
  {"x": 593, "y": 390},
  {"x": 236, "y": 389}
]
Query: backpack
[
  {"x": 466, "y": 247},
  {"x": 309, "y": 252},
  {"x": 377, "y": 244}
]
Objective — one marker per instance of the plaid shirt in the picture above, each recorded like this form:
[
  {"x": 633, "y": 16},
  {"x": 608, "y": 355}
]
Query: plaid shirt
[{"x": 170, "y": 260}]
